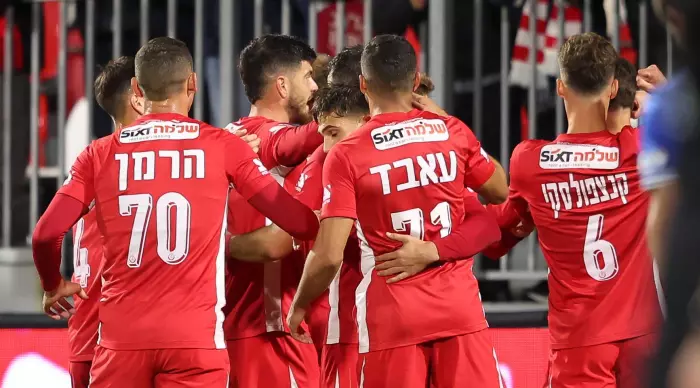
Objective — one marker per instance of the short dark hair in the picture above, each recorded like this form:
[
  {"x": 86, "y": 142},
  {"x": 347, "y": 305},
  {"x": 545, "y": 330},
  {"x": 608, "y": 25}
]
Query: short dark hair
[
  {"x": 340, "y": 101},
  {"x": 626, "y": 76},
  {"x": 267, "y": 55},
  {"x": 162, "y": 66},
  {"x": 113, "y": 82},
  {"x": 587, "y": 62},
  {"x": 345, "y": 68},
  {"x": 389, "y": 64},
  {"x": 426, "y": 85}
]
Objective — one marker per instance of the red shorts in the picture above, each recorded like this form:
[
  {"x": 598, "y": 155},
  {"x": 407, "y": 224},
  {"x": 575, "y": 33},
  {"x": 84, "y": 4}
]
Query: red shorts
[
  {"x": 79, "y": 374},
  {"x": 339, "y": 366},
  {"x": 467, "y": 361},
  {"x": 614, "y": 365},
  {"x": 274, "y": 360},
  {"x": 160, "y": 368}
]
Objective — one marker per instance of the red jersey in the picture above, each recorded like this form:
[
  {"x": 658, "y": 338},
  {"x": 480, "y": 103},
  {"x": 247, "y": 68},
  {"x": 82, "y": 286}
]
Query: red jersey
[
  {"x": 259, "y": 295},
  {"x": 407, "y": 172},
  {"x": 159, "y": 187},
  {"x": 584, "y": 195},
  {"x": 87, "y": 262}
]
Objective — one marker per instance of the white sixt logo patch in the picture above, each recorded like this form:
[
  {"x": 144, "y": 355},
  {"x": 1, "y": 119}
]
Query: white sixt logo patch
[
  {"x": 568, "y": 156},
  {"x": 414, "y": 131},
  {"x": 159, "y": 130}
]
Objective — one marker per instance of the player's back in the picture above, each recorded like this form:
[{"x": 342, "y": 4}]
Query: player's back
[
  {"x": 584, "y": 195},
  {"x": 161, "y": 189},
  {"x": 408, "y": 172}
]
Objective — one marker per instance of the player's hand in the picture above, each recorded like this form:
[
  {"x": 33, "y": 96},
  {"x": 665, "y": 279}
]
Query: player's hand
[
  {"x": 650, "y": 78},
  {"x": 294, "y": 319},
  {"x": 640, "y": 99},
  {"x": 56, "y": 304},
  {"x": 522, "y": 230},
  {"x": 252, "y": 140},
  {"x": 413, "y": 257},
  {"x": 426, "y": 104}
]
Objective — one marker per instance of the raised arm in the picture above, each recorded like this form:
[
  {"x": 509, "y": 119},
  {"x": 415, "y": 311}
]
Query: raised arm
[{"x": 293, "y": 144}]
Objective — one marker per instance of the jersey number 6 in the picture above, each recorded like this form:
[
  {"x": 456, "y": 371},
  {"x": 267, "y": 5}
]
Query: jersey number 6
[
  {"x": 597, "y": 251},
  {"x": 169, "y": 205}
]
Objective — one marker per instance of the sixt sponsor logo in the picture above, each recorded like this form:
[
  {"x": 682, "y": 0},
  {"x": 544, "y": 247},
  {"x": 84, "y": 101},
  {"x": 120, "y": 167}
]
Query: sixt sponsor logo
[
  {"x": 159, "y": 130},
  {"x": 567, "y": 156},
  {"x": 415, "y": 131}
]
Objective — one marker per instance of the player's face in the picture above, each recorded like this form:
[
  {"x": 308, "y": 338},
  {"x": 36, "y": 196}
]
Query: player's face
[
  {"x": 300, "y": 94},
  {"x": 335, "y": 128}
]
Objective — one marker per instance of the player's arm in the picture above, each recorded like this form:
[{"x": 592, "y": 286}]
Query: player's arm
[
  {"x": 324, "y": 260},
  {"x": 291, "y": 145},
  {"x": 65, "y": 209},
  {"x": 483, "y": 173},
  {"x": 657, "y": 164},
  {"x": 254, "y": 183},
  {"x": 270, "y": 243},
  {"x": 515, "y": 223}
]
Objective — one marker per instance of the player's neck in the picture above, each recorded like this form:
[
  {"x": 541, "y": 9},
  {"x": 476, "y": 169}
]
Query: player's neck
[
  {"x": 586, "y": 118},
  {"x": 398, "y": 103},
  {"x": 271, "y": 112},
  {"x": 166, "y": 106},
  {"x": 618, "y": 119}
]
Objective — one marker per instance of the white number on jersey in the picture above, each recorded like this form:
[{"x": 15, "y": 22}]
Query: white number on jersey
[
  {"x": 144, "y": 168},
  {"x": 81, "y": 266},
  {"x": 412, "y": 221},
  {"x": 170, "y": 205},
  {"x": 597, "y": 251}
]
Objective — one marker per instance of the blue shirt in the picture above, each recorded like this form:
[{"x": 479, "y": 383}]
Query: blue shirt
[{"x": 668, "y": 116}]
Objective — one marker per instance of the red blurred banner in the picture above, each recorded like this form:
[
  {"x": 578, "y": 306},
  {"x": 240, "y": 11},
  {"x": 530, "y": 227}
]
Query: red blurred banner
[{"x": 39, "y": 357}]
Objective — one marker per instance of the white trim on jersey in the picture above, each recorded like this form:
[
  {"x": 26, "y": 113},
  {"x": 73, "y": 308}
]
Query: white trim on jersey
[
  {"x": 333, "y": 332},
  {"x": 272, "y": 296},
  {"x": 337, "y": 379},
  {"x": 659, "y": 288},
  {"x": 219, "y": 339},
  {"x": 292, "y": 381},
  {"x": 362, "y": 373},
  {"x": 500, "y": 380},
  {"x": 366, "y": 267}
]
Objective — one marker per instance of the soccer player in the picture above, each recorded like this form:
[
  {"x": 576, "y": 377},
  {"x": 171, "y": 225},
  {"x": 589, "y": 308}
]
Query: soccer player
[
  {"x": 277, "y": 74},
  {"x": 582, "y": 191},
  {"x": 163, "y": 285},
  {"x": 113, "y": 93},
  {"x": 405, "y": 171}
]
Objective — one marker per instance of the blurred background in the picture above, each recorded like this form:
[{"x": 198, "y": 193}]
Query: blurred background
[{"x": 493, "y": 63}]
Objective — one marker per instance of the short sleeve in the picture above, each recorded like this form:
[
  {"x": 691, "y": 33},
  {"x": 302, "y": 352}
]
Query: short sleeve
[
  {"x": 338, "y": 186},
  {"x": 479, "y": 167},
  {"x": 80, "y": 181},
  {"x": 243, "y": 168},
  {"x": 658, "y": 157}
]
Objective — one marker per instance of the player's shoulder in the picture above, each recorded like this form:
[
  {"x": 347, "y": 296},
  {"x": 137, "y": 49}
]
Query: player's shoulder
[
  {"x": 316, "y": 157},
  {"x": 530, "y": 146},
  {"x": 257, "y": 125}
]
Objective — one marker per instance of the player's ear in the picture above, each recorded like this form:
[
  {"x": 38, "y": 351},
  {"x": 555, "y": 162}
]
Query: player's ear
[
  {"x": 282, "y": 86},
  {"x": 561, "y": 88},
  {"x": 192, "y": 83},
  {"x": 136, "y": 104},
  {"x": 135, "y": 87},
  {"x": 614, "y": 88},
  {"x": 363, "y": 84},
  {"x": 416, "y": 81}
]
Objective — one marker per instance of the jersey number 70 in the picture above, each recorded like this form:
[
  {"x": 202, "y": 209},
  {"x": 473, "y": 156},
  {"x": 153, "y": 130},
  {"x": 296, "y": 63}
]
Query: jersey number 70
[{"x": 169, "y": 205}]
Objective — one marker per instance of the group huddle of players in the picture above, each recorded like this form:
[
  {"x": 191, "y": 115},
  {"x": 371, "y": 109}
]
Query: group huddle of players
[{"x": 200, "y": 262}]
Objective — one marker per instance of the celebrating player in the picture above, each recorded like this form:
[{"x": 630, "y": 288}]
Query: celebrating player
[
  {"x": 277, "y": 74},
  {"x": 583, "y": 193},
  {"x": 385, "y": 176},
  {"x": 162, "y": 272},
  {"x": 114, "y": 95}
]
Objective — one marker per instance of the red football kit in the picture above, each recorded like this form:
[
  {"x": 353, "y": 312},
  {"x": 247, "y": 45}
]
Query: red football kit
[
  {"x": 163, "y": 269},
  {"x": 260, "y": 295},
  {"x": 408, "y": 172},
  {"x": 82, "y": 326},
  {"x": 583, "y": 194}
]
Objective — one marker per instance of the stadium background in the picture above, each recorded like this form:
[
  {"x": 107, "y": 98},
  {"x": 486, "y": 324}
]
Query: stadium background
[{"x": 478, "y": 53}]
